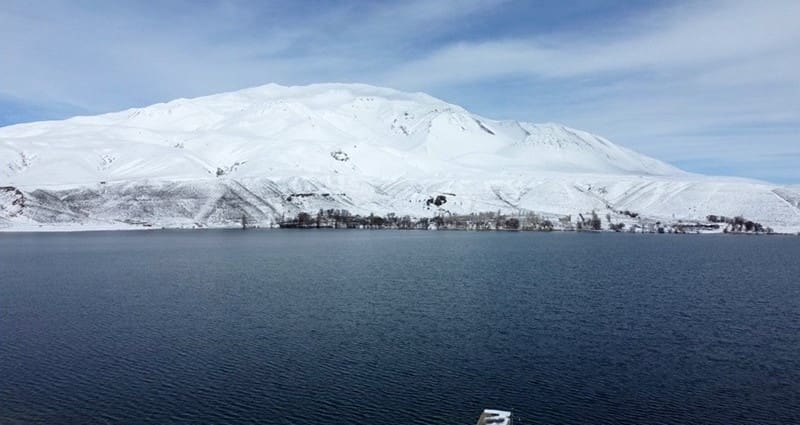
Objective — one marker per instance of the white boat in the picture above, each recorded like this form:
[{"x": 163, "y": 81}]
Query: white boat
[{"x": 494, "y": 417}]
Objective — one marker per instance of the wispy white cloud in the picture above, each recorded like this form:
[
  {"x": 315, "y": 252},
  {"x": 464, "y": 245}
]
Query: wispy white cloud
[
  {"x": 110, "y": 54},
  {"x": 681, "y": 38}
]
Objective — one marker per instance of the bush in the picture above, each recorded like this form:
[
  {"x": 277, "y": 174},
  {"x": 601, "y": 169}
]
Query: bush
[{"x": 616, "y": 227}]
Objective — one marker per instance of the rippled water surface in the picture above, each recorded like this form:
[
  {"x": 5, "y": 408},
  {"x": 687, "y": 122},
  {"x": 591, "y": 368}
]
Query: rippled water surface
[{"x": 383, "y": 327}]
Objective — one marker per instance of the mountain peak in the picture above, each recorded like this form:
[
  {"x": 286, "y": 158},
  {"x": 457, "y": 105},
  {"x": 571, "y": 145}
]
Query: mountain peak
[{"x": 279, "y": 130}]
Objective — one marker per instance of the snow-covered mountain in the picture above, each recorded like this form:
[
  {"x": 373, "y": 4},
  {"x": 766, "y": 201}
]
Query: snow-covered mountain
[{"x": 270, "y": 151}]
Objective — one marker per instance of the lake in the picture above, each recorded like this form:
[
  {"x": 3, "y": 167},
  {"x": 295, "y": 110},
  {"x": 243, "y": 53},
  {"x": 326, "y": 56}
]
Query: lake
[{"x": 393, "y": 327}]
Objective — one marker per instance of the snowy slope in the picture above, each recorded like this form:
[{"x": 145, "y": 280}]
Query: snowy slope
[{"x": 210, "y": 160}]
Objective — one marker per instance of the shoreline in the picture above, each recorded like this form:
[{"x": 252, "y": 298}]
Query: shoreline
[{"x": 49, "y": 229}]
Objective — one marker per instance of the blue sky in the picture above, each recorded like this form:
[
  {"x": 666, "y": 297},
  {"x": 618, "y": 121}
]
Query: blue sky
[{"x": 710, "y": 86}]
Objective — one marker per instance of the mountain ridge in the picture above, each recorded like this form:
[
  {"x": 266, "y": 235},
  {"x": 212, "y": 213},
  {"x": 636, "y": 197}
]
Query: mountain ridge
[{"x": 377, "y": 146}]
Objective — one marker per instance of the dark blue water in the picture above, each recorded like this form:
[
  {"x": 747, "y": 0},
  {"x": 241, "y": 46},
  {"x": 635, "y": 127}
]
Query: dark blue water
[{"x": 382, "y": 327}]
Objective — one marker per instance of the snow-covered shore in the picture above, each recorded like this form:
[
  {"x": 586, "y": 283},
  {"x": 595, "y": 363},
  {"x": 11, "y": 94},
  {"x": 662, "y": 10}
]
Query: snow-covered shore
[{"x": 272, "y": 152}]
